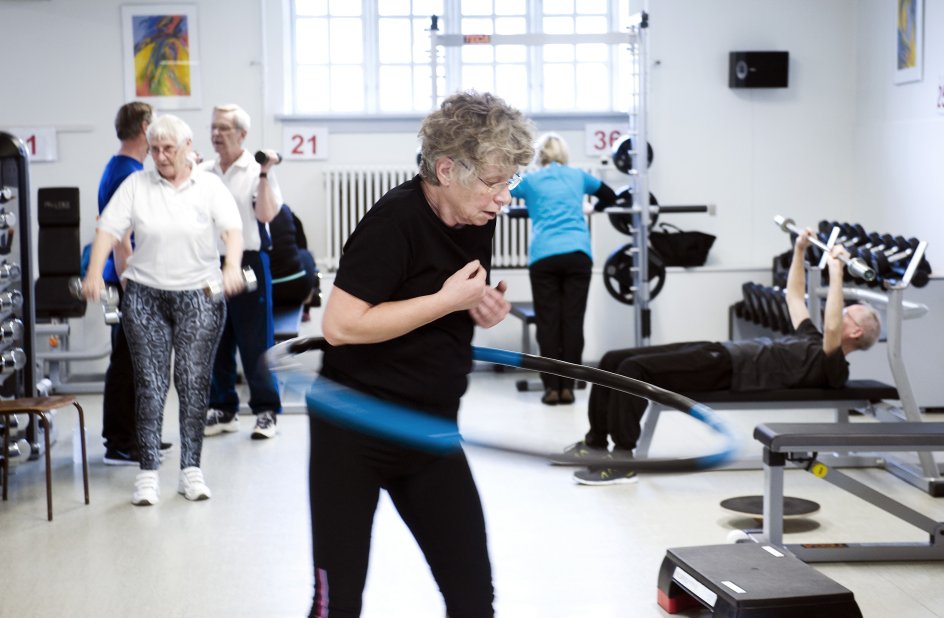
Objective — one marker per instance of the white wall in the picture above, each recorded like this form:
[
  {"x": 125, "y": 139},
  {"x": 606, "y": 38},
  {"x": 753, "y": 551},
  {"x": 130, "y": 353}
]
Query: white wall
[
  {"x": 841, "y": 142},
  {"x": 899, "y": 133}
]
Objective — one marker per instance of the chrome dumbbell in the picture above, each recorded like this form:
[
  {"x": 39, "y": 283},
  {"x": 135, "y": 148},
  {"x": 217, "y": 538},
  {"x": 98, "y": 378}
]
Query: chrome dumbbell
[
  {"x": 11, "y": 330},
  {"x": 109, "y": 299},
  {"x": 7, "y": 219},
  {"x": 11, "y": 299},
  {"x": 214, "y": 289},
  {"x": 14, "y": 358},
  {"x": 18, "y": 452},
  {"x": 9, "y": 271},
  {"x": 6, "y": 194}
]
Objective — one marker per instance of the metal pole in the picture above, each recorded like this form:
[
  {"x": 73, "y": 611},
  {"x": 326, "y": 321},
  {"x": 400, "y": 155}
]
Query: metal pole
[
  {"x": 637, "y": 123},
  {"x": 433, "y": 57}
]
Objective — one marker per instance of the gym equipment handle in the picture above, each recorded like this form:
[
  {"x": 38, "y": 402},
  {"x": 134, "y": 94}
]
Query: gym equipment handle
[{"x": 856, "y": 266}]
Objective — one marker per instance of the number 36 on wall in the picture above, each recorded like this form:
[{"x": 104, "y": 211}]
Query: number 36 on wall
[
  {"x": 599, "y": 138},
  {"x": 303, "y": 142}
]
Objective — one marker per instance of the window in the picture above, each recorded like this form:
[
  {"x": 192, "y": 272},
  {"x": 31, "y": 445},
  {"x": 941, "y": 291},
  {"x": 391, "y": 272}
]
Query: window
[{"x": 372, "y": 56}]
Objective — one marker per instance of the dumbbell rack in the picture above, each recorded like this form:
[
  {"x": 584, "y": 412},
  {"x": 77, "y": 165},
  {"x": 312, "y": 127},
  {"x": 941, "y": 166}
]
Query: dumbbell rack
[{"x": 17, "y": 319}]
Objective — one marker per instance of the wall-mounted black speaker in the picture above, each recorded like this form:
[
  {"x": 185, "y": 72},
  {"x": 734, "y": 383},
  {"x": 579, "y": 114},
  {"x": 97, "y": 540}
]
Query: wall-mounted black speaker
[{"x": 758, "y": 69}]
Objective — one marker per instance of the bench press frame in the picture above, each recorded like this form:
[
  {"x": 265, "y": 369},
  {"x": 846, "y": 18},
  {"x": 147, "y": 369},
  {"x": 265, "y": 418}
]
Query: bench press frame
[{"x": 800, "y": 445}]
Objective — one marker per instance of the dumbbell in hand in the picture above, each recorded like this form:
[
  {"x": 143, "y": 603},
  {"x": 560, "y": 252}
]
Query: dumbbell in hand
[
  {"x": 262, "y": 157},
  {"x": 108, "y": 298},
  {"x": 214, "y": 289}
]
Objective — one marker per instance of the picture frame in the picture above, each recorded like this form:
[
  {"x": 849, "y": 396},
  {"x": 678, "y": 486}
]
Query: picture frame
[
  {"x": 162, "y": 55},
  {"x": 909, "y": 41}
]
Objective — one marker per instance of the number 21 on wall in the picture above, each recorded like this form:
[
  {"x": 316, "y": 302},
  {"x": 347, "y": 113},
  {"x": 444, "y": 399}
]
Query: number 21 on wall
[{"x": 303, "y": 142}]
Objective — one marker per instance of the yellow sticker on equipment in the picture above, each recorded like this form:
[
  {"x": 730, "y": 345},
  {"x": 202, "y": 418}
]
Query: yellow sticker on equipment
[{"x": 820, "y": 471}]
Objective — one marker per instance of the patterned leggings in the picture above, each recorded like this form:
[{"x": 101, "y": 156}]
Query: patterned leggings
[{"x": 156, "y": 322}]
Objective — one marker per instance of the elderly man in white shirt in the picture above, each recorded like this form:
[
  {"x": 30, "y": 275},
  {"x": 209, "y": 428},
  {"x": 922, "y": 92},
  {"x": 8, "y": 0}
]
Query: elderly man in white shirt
[
  {"x": 249, "y": 326},
  {"x": 177, "y": 216}
]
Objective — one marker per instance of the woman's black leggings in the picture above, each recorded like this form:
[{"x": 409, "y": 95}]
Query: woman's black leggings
[
  {"x": 559, "y": 287},
  {"x": 435, "y": 496},
  {"x": 155, "y": 323}
]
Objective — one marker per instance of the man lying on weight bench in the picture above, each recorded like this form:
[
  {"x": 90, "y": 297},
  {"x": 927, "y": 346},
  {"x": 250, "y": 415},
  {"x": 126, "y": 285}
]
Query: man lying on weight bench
[{"x": 805, "y": 359}]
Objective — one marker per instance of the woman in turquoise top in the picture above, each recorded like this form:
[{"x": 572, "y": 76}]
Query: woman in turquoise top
[{"x": 560, "y": 259}]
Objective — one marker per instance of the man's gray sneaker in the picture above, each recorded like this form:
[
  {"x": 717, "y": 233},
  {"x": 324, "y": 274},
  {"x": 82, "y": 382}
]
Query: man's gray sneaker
[
  {"x": 577, "y": 451},
  {"x": 605, "y": 476}
]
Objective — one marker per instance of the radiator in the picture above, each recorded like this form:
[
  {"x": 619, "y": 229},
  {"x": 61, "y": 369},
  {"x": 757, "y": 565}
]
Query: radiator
[{"x": 350, "y": 192}]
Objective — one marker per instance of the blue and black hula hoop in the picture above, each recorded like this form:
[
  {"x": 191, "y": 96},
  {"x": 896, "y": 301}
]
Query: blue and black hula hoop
[{"x": 383, "y": 419}]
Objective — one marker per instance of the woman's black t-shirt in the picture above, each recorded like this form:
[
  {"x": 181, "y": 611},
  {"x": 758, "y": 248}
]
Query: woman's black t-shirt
[{"x": 400, "y": 250}]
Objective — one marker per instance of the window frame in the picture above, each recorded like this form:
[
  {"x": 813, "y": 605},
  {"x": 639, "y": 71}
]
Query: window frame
[{"x": 451, "y": 64}]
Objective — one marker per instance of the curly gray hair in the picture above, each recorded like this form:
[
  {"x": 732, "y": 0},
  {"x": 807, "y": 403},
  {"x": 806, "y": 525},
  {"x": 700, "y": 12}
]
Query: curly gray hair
[{"x": 476, "y": 129}]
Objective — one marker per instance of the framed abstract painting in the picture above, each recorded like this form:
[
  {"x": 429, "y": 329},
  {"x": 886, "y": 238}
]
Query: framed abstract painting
[
  {"x": 161, "y": 54},
  {"x": 909, "y": 41}
]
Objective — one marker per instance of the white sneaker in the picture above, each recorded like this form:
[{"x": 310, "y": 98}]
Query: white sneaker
[
  {"x": 265, "y": 426},
  {"x": 218, "y": 422},
  {"x": 147, "y": 488},
  {"x": 192, "y": 486}
]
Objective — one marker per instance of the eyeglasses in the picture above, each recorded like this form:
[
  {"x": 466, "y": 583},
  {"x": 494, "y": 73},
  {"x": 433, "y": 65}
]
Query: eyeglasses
[
  {"x": 167, "y": 151},
  {"x": 846, "y": 313},
  {"x": 496, "y": 187}
]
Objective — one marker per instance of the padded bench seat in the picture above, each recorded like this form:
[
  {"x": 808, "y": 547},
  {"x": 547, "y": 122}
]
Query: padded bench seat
[
  {"x": 807, "y": 437},
  {"x": 859, "y": 390}
]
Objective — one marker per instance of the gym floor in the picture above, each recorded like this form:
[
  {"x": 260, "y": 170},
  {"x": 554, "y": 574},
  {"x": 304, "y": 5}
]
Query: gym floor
[{"x": 558, "y": 549}]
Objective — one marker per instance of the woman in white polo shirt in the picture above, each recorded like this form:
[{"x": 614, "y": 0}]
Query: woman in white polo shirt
[{"x": 176, "y": 215}]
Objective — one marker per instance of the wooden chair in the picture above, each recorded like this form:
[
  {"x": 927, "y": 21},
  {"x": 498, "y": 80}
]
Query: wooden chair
[{"x": 41, "y": 407}]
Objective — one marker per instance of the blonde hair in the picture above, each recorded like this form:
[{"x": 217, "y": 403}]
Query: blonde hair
[{"x": 551, "y": 148}]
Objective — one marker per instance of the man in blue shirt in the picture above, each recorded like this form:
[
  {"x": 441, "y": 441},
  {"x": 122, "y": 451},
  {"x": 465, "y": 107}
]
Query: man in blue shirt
[{"x": 118, "y": 420}]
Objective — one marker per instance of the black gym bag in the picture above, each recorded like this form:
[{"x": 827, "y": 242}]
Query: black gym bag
[{"x": 678, "y": 247}]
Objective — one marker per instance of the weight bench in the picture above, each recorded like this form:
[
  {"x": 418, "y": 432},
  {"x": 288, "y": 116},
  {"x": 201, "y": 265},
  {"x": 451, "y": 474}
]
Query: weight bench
[
  {"x": 524, "y": 312},
  {"x": 856, "y": 394},
  {"x": 801, "y": 443},
  {"x": 287, "y": 320}
]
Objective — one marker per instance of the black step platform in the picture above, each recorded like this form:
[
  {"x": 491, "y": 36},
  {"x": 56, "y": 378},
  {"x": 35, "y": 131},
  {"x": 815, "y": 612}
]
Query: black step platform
[{"x": 749, "y": 580}]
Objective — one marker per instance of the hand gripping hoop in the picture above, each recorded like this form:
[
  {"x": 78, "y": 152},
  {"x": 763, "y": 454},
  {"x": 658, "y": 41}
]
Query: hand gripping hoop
[{"x": 367, "y": 414}]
